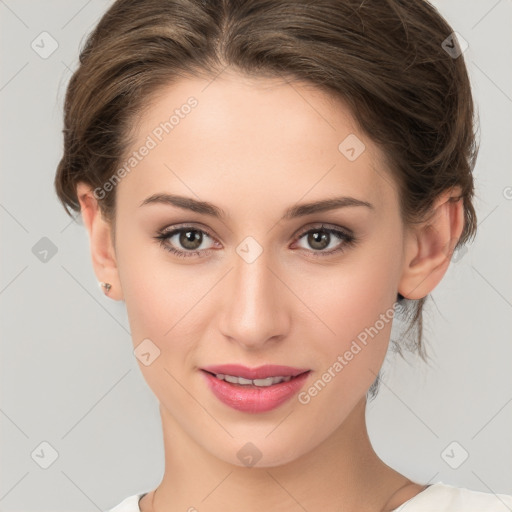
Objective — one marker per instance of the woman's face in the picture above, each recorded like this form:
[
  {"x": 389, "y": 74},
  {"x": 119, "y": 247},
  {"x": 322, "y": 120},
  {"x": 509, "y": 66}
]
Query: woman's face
[{"x": 260, "y": 282}]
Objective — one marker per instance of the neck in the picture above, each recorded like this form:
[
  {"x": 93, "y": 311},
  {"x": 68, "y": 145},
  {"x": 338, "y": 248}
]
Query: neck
[{"x": 342, "y": 473}]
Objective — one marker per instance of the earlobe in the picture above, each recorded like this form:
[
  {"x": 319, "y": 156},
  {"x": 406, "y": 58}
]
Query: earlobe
[
  {"x": 100, "y": 237},
  {"x": 430, "y": 246}
]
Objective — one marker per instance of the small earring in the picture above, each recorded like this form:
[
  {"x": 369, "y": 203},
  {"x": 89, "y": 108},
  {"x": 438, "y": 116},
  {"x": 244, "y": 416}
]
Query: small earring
[{"x": 107, "y": 286}]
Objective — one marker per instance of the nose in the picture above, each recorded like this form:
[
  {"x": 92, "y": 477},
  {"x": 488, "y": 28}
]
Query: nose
[{"x": 255, "y": 308}]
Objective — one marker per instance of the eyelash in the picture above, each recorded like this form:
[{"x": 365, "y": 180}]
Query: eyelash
[{"x": 163, "y": 236}]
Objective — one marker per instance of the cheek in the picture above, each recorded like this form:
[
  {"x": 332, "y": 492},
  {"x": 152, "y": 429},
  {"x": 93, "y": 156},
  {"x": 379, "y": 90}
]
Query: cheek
[
  {"x": 358, "y": 292},
  {"x": 151, "y": 294},
  {"x": 351, "y": 358},
  {"x": 158, "y": 306},
  {"x": 357, "y": 308},
  {"x": 163, "y": 299}
]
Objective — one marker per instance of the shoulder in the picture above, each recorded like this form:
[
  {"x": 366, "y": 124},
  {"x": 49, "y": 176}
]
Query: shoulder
[
  {"x": 448, "y": 498},
  {"x": 130, "y": 504}
]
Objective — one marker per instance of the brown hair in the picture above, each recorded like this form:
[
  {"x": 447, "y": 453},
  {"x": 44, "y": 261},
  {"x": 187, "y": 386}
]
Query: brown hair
[{"x": 386, "y": 59}]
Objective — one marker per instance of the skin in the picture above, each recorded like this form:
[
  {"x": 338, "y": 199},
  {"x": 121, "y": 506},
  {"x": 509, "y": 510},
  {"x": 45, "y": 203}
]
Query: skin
[{"x": 255, "y": 147}]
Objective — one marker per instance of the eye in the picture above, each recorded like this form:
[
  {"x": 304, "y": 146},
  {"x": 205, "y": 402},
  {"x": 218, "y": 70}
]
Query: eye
[
  {"x": 188, "y": 237},
  {"x": 186, "y": 241},
  {"x": 321, "y": 237}
]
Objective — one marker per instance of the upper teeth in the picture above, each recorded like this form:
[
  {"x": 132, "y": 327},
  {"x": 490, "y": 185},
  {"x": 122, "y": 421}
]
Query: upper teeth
[{"x": 269, "y": 381}]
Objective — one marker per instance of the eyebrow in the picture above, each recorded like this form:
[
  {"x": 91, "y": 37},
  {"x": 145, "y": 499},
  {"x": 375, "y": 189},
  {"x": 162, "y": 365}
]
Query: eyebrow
[{"x": 300, "y": 210}]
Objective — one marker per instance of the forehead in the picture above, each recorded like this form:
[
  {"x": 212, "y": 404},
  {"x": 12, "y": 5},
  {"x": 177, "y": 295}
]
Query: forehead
[{"x": 244, "y": 137}]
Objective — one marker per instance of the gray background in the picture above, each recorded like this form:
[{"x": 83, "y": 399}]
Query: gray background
[{"x": 68, "y": 375}]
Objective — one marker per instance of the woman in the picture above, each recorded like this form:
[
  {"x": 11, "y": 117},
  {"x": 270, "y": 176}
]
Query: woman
[{"x": 265, "y": 185}]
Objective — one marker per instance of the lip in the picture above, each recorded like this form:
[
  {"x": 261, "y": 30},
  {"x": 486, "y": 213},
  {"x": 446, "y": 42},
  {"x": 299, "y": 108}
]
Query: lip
[
  {"x": 254, "y": 399},
  {"x": 261, "y": 372}
]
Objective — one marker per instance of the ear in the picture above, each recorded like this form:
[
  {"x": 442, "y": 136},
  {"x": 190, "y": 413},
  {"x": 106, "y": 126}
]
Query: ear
[
  {"x": 430, "y": 246},
  {"x": 100, "y": 235}
]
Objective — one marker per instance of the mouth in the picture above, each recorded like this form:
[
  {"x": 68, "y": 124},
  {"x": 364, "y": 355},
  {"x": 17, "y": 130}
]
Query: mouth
[
  {"x": 255, "y": 383},
  {"x": 255, "y": 390},
  {"x": 262, "y": 376}
]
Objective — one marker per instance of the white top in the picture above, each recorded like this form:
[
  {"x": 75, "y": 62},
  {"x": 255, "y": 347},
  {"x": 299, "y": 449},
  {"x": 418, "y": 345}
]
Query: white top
[{"x": 438, "y": 497}]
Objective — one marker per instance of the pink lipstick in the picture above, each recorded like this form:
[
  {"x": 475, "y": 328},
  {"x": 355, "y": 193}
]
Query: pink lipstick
[{"x": 254, "y": 390}]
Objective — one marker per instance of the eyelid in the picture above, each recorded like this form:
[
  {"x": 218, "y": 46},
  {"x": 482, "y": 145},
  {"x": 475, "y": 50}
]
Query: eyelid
[
  {"x": 323, "y": 225},
  {"x": 299, "y": 233},
  {"x": 184, "y": 225}
]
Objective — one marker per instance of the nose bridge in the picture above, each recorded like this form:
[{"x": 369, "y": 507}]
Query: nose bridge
[{"x": 254, "y": 310}]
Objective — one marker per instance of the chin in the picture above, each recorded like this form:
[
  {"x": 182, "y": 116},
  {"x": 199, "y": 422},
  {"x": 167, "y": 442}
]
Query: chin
[{"x": 253, "y": 451}]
